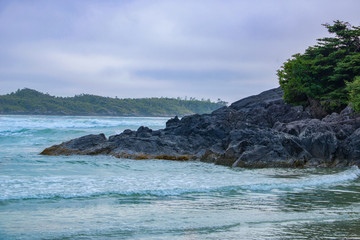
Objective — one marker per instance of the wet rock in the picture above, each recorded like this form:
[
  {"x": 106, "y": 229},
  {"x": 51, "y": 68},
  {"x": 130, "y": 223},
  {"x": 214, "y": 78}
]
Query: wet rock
[
  {"x": 86, "y": 145},
  {"x": 258, "y": 131}
]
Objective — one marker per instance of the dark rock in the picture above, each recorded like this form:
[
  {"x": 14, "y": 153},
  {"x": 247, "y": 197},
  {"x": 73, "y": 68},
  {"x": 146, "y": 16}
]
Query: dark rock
[
  {"x": 258, "y": 131},
  {"x": 86, "y": 142},
  {"x": 172, "y": 122},
  {"x": 89, "y": 145}
]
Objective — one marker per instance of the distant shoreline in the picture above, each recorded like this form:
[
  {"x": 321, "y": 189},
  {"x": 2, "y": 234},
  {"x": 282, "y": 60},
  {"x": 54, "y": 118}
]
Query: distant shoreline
[
  {"x": 58, "y": 115},
  {"x": 31, "y": 102}
]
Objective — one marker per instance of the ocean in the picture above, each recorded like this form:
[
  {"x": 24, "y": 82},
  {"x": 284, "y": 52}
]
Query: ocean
[{"x": 102, "y": 197}]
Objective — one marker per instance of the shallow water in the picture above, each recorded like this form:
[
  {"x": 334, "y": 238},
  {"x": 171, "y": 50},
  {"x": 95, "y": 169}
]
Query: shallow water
[{"x": 101, "y": 197}]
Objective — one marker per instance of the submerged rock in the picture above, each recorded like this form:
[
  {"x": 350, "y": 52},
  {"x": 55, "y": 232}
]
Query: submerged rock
[{"x": 257, "y": 131}]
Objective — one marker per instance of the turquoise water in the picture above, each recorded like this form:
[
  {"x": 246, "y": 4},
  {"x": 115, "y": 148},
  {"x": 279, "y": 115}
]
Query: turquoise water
[{"x": 101, "y": 197}]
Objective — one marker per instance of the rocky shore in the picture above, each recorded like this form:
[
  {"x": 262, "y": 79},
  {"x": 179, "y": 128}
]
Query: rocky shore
[{"x": 258, "y": 131}]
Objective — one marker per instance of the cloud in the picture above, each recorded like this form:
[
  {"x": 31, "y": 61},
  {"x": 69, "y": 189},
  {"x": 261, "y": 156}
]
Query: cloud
[{"x": 205, "y": 49}]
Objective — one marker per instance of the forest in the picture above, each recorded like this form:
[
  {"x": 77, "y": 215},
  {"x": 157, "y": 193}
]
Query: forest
[
  {"x": 326, "y": 77},
  {"x": 29, "y": 101}
]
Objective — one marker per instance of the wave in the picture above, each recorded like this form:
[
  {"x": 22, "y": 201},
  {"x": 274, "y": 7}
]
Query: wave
[
  {"x": 78, "y": 122},
  {"x": 90, "y": 187},
  {"x": 134, "y": 193},
  {"x": 350, "y": 174},
  {"x": 26, "y": 132},
  {"x": 22, "y": 125}
]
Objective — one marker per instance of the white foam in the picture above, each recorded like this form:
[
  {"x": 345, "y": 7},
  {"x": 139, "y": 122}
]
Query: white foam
[
  {"x": 18, "y": 125},
  {"x": 153, "y": 184},
  {"x": 309, "y": 181},
  {"x": 69, "y": 187}
]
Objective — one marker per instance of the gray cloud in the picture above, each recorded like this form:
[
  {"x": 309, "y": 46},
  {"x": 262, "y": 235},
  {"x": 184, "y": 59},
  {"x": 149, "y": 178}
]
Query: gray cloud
[{"x": 205, "y": 49}]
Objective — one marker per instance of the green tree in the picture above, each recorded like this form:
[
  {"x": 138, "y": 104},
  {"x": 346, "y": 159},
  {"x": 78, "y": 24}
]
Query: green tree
[
  {"x": 354, "y": 93},
  {"x": 28, "y": 101},
  {"x": 319, "y": 75}
]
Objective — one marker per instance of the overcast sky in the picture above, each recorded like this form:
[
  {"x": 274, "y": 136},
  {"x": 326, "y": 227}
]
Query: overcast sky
[{"x": 148, "y": 48}]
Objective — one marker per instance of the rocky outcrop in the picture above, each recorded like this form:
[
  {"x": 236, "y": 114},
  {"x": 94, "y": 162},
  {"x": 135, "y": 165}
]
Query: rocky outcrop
[{"x": 258, "y": 131}]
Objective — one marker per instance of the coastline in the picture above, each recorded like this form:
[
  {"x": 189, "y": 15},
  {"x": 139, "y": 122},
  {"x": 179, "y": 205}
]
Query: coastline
[
  {"x": 90, "y": 115},
  {"x": 81, "y": 196},
  {"x": 29, "y": 101},
  {"x": 257, "y": 131}
]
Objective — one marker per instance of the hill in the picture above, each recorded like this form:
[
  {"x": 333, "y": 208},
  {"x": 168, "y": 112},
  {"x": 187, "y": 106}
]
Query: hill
[{"x": 29, "y": 101}]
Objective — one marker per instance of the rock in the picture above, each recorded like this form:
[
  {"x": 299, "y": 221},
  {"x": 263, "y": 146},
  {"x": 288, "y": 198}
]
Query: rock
[
  {"x": 86, "y": 145},
  {"x": 258, "y": 131},
  {"x": 172, "y": 122}
]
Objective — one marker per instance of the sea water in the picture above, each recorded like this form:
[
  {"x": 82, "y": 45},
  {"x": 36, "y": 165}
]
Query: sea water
[{"x": 102, "y": 197}]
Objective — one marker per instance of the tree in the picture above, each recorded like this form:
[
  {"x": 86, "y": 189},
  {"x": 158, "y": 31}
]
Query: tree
[
  {"x": 354, "y": 93},
  {"x": 28, "y": 101},
  {"x": 319, "y": 75}
]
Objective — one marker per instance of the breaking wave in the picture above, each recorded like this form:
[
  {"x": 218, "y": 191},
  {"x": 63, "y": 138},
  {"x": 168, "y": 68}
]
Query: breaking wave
[{"x": 88, "y": 186}]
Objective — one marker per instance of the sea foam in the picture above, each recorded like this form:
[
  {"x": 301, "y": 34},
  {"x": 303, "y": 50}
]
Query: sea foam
[{"x": 90, "y": 186}]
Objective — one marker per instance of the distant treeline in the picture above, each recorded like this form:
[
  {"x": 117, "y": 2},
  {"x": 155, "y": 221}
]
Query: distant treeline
[{"x": 28, "y": 101}]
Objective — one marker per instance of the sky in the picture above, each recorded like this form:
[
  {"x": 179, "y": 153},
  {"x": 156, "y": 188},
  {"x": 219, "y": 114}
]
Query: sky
[{"x": 207, "y": 49}]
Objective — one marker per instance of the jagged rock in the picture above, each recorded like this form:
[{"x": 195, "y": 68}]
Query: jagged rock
[{"x": 258, "y": 131}]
